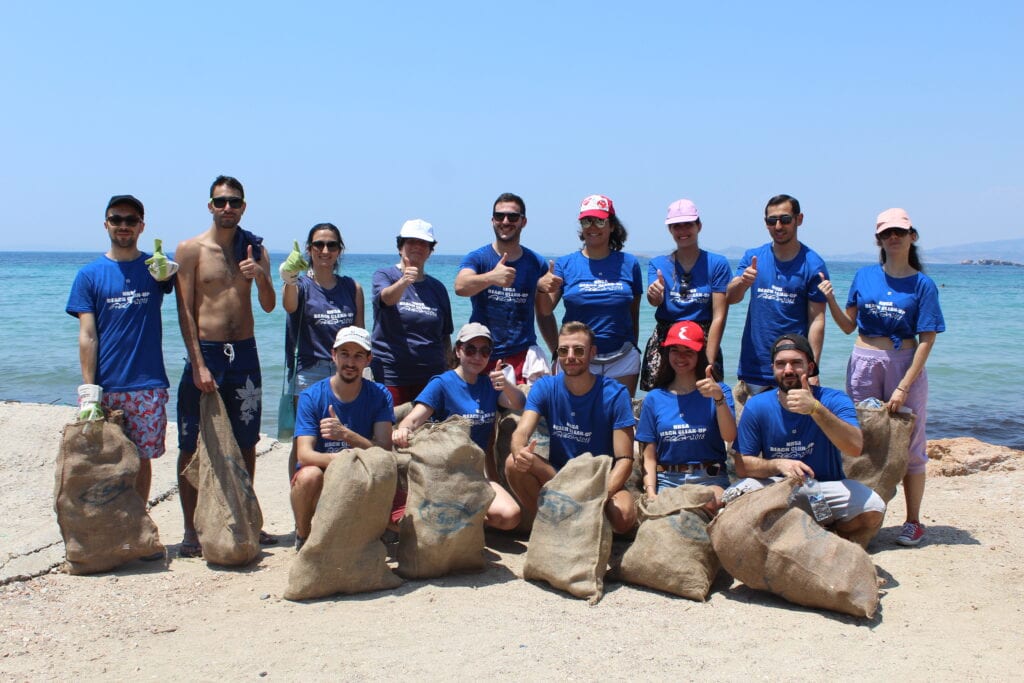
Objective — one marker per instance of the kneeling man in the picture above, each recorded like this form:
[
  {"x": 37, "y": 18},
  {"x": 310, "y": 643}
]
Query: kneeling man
[
  {"x": 585, "y": 413},
  {"x": 342, "y": 411},
  {"x": 802, "y": 431}
]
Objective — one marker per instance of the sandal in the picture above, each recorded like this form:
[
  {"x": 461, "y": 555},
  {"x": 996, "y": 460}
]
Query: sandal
[
  {"x": 267, "y": 539},
  {"x": 190, "y": 549}
]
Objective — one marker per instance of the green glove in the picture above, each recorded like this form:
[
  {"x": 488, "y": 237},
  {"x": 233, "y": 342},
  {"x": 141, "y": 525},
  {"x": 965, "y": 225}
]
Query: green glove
[
  {"x": 160, "y": 267},
  {"x": 293, "y": 265}
]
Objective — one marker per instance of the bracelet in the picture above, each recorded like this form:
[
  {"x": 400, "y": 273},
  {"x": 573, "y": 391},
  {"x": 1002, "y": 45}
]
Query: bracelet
[
  {"x": 900, "y": 389},
  {"x": 720, "y": 401},
  {"x": 814, "y": 409}
]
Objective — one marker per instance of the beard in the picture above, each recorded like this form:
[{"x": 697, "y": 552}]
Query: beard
[
  {"x": 350, "y": 379},
  {"x": 788, "y": 382}
]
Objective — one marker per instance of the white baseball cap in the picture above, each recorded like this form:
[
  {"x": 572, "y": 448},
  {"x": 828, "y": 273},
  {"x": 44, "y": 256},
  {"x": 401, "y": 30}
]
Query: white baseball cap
[
  {"x": 356, "y": 335},
  {"x": 418, "y": 229}
]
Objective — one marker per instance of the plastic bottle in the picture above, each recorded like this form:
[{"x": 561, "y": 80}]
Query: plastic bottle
[{"x": 819, "y": 507}]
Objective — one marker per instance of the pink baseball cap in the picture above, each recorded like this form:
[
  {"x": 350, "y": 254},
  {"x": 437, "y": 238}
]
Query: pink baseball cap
[
  {"x": 892, "y": 218},
  {"x": 682, "y": 211},
  {"x": 598, "y": 206},
  {"x": 685, "y": 333}
]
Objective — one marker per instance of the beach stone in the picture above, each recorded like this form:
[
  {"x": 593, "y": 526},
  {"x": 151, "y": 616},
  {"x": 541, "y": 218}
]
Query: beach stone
[{"x": 965, "y": 455}]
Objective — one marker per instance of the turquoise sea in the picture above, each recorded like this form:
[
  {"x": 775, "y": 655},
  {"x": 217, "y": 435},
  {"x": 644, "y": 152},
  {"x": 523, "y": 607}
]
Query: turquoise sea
[{"x": 975, "y": 371}]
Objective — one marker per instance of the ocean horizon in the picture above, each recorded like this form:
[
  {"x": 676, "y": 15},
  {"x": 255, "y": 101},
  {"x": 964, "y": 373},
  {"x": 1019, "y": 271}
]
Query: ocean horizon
[{"x": 969, "y": 366}]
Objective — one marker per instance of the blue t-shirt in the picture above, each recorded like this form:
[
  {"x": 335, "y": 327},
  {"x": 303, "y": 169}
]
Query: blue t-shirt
[
  {"x": 895, "y": 307},
  {"x": 126, "y": 301},
  {"x": 778, "y": 305},
  {"x": 448, "y": 394},
  {"x": 600, "y": 293},
  {"x": 710, "y": 274},
  {"x": 318, "y": 317},
  {"x": 508, "y": 312},
  {"x": 768, "y": 429},
  {"x": 372, "y": 405},
  {"x": 580, "y": 424},
  {"x": 409, "y": 337},
  {"x": 684, "y": 429}
]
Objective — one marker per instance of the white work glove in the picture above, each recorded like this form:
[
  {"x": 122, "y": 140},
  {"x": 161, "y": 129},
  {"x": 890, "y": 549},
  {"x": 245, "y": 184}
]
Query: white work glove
[
  {"x": 89, "y": 397},
  {"x": 160, "y": 267},
  {"x": 293, "y": 265}
]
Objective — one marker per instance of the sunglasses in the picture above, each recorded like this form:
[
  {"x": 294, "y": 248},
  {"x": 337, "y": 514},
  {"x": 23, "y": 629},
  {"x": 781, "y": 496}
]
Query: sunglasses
[
  {"x": 785, "y": 219},
  {"x": 893, "y": 232},
  {"x": 320, "y": 245},
  {"x": 510, "y": 216},
  {"x": 683, "y": 287},
  {"x": 577, "y": 351},
  {"x": 470, "y": 350},
  {"x": 221, "y": 202},
  {"x": 130, "y": 221},
  {"x": 596, "y": 222}
]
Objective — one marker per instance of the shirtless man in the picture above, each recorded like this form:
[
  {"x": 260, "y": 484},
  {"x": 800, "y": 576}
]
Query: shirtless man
[{"x": 217, "y": 270}]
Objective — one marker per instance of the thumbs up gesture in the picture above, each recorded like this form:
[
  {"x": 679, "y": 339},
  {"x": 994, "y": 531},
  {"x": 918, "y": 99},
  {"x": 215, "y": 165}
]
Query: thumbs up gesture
[
  {"x": 750, "y": 272},
  {"x": 549, "y": 283},
  {"x": 523, "y": 460},
  {"x": 331, "y": 427},
  {"x": 708, "y": 387},
  {"x": 160, "y": 267},
  {"x": 293, "y": 265},
  {"x": 503, "y": 275},
  {"x": 802, "y": 400},
  {"x": 825, "y": 287},
  {"x": 656, "y": 290}
]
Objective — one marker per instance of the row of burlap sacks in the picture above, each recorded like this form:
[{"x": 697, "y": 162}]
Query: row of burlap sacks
[
  {"x": 104, "y": 523},
  {"x": 103, "y": 520}
]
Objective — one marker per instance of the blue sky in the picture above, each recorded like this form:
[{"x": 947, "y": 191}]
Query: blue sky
[{"x": 367, "y": 114}]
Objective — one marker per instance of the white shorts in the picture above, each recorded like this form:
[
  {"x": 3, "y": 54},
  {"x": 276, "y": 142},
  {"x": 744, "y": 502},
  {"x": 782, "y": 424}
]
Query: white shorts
[{"x": 847, "y": 498}]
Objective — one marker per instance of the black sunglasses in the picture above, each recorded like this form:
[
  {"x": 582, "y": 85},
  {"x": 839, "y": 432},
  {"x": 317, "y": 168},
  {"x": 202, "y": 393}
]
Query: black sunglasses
[
  {"x": 893, "y": 232},
  {"x": 512, "y": 216},
  {"x": 130, "y": 221},
  {"x": 785, "y": 219},
  {"x": 329, "y": 246},
  {"x": 221, "y": 202},
  {"x": 470, "y": 350}
]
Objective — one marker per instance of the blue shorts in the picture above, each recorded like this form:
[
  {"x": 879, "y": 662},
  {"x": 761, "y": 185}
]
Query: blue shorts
[
  {"x": 307, "y": 376},
  {"x": 236, "y": 369}
]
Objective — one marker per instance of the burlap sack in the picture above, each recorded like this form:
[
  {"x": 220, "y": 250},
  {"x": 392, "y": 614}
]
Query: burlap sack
[
  {"x": 672, "y": 551},
  {"x": 507, "y": 423},
  {"x": 102, "y": 519},
  {"x": 770, "y": 545},
  {"x": 572, "y": 538},
  {"x": 443, "y": 528},
  {"x": 740, "y": 394},
  {"x": 228, "y": 518},
  {"x": 882, "y": 463},
  {"x": 344, "y": 553}
]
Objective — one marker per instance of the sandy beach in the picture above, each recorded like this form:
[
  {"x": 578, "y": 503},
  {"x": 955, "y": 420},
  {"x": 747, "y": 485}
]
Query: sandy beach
[{"x": 950, "y": 609}]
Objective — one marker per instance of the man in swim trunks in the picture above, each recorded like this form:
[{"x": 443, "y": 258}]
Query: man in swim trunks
[
  {"x": 117, "y": 301},
  {"x": 217, "y": 271},
  {"x": 784, "y": 276},
  {"x": 339, "y": 412},
  {"x": 801, "y": 430},
  {"x": 586, "y": 413},
  {"x": 502, "y": 280}
]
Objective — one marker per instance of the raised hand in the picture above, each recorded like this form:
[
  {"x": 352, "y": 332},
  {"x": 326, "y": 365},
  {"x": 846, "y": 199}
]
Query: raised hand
[
  {"x": 331, "y": 427},
  {"x": 497, "y": 376},
  {"x": 503, "y": 275},
  {"x": 708, "y": 387},
  {"x": 549, "y": 283},
  {"x": 523, "y": 460},
  {"x": 802, "y": 400},
  {"x": 825, "y": 287},
  {"x": 656, "y": 290},
  {"x": 750, "y": 272}
]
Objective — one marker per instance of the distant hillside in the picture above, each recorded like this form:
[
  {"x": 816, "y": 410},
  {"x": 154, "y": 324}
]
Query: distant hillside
[{"x": 1004, "y": 250}]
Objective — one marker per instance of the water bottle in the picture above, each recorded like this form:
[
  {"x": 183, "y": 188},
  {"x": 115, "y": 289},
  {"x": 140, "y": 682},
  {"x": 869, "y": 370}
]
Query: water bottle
[{"x": 819, "y": 507}]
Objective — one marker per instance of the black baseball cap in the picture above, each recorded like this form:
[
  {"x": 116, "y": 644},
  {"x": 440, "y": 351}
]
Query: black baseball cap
[
  {"x": 798, "y": 342},
  {"x": 126, "y": 199}
]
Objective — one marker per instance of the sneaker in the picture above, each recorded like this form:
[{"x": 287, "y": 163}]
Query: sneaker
[
  {"x": 299, "y": 542},
  {"x": 911, "y": 534}
]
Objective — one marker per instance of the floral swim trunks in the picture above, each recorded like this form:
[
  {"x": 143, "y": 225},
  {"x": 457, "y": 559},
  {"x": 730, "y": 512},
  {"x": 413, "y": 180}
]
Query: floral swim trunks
[
  {"x": 145, "y": 418},
  {"x": 235, "y": 367}
]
